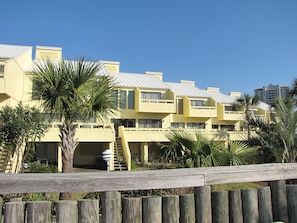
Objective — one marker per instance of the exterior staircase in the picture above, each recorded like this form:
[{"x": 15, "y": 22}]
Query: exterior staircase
[
  {"x": 119, "y": 158},
  {"x": 5, "y": 163}
]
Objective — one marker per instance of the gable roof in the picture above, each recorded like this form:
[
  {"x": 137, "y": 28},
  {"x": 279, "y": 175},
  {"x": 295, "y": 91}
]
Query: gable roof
[
  {"x": 137, "y": 80},
  {"x": 13, "y": 51},
  {"x": 220, "y": 97},
  {"x": 186, "y": 90}
]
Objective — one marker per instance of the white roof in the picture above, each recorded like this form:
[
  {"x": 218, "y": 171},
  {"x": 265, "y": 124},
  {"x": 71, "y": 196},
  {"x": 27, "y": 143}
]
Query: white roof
[
  {"x": 188, "y": 90},
  {"x": 220, "y": 97},
  {"x": 263, "y": 106},
  {"x": 138, "y": 80},
  {"x": 13, "y": 51}
]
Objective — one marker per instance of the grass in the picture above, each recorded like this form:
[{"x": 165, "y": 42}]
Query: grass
[{"x": 235, "y": 186}]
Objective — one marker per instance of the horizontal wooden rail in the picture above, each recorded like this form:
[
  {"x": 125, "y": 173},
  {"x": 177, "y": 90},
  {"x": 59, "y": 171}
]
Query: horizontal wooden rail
[{"x": 141, "y": 180}]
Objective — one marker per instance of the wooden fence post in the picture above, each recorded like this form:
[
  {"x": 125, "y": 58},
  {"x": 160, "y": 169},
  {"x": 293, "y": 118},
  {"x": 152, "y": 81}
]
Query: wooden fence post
[
  {"x": 279, "y": 200},
  {"x": 187, "y": 208},
  {"x": 88, "y": 211},
  {"x": 132, "y": 209},
  {"x": 170, "y": 209},
  {"x": 111, "y": 207},
  {"x": 292, "y": 202},
  {"x": 38, "y": 211},
  {"x": 250, "y": 205},
  {"x": 1, "y": 207},
  {"x": 219, "y": 206},
  {"x": 152, "y": 209},
  {"x": 265, "y": 206},
  {"x": 14, "y": 212},
  {"x": 235, "y": 206},
  {"x": 66, "y": 211},
  {"x": 203, "y": 204}
]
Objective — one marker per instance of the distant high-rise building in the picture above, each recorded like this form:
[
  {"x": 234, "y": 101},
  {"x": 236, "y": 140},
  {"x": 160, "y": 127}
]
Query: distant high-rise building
[{"x": 270, "y": 93}]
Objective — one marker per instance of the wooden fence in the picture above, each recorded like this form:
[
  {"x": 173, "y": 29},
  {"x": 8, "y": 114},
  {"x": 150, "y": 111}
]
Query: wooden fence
[{"x": 275, "y": 202}]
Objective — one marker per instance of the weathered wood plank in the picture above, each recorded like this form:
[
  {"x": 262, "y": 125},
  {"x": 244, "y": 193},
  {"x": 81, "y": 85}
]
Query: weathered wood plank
[
  {"x": 250, "y": 173},
  {"x": 141, "y": 180},
  {"x": 90, "y": 182}
]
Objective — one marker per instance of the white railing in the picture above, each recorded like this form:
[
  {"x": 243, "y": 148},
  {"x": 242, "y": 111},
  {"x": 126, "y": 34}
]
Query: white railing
[
  {"x": 203, "y": 107},
  {"x": 158, "y": 101},
  {"x": 84, "y": 125}
]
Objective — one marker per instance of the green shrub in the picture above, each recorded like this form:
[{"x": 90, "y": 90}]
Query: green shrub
[
  {"x": 133, "y": 165},
  {"x": 41, "y": 168}
]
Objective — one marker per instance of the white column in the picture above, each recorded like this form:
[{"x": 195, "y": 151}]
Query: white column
[
  {"x": 59, "y": 158},
  {"x": 144, "y": 152},
  {"x": 111, "y": 163}
]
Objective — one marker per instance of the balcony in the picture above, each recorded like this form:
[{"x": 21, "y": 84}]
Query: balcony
[
  {"x": 163, "y": 103},
  {"x": 233, "y": 115},
  {"x": 224, "y": 113},
  {"x": 199, "y": 107},
  {"x": 201, "y": 111},
  {"x": 160, "y": 134},
  {"x": 85, "y": 132},
  {"x": 156, "y": 106}
]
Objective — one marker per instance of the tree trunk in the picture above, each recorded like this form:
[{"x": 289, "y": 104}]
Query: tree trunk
[{"x": 68, "y": 144}]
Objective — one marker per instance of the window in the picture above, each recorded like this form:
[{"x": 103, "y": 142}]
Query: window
[
  {"x": 197, "y": 103},
  {"x": 151, "y": 95},
  {"x": 194, "y": 125},
  {"x": 229, "y": 108},
  {"x": 123, "y": 103},
  {"x": 130, "y": 99},
  {"x": 150, "y": 123},
  {"x": 115, "y": 99},
  {"x": 35, "y": 95},
  {"x": 1, "y": 70},
  {"x": 123, "y": 99},
  {"x": 227, "y": 127},
  {"x": 180, "y": 106},
  {"x": 178, "y": 125}
]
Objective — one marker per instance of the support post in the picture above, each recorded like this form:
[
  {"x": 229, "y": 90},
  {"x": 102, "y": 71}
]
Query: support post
[
  {"x": 279, "y": 200},
  {"x": 132, "y": 210},
  {"x": 235, "y": 207},
  {"x": 14, "y": 212},
  {"x": 187, "y": 208},
  {"x": 203, "y": 204},
  {"x": 170, "y": 209},
  {"x": 265, "y": 206},
  {"x": 111, "y": 207},
  {"x": 219, "y": 206},
  {"x": 292, "y": 203},
  {"x": 39, "y": 211},
  {"x": 88, "y": 211},
  {"x": 66, "y": 211},
  {"x": 152, "y": 209},
  {"x": 250, "y": 205},
  {"x": 144, "y": 152}
]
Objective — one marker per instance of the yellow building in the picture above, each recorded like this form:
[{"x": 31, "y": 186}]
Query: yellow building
[{"x": 149, "y": 109}]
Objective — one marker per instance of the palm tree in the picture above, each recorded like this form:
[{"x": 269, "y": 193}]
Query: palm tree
[
  {"x": 293, "y": 90},
  {"x": 246, "y": 102},
  {"x": 72, "y": 90},
  {"x": 286, "y": 127},
  {"x": 198, "y": 151},
  {"x": 268, "y": 142},
  {"x": 279, "y": 137},
  {"x": 195, "y": 150},
  {"x": 240, "y": 153}
]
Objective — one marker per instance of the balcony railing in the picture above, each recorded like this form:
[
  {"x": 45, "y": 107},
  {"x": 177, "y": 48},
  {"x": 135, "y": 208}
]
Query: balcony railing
[
  {"x": 156, "y": 106},
  {"x": 203, "y": 107},
  {"x": 158, "y": 101},
  {"x": 84, "y": 125}
]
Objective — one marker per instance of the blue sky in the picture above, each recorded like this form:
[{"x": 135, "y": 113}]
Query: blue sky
[{"x": 236, "y": 45}]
